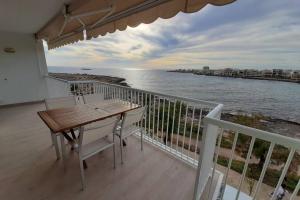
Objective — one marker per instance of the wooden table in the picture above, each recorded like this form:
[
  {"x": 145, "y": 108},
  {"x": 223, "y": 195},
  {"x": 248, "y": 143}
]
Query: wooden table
[{"x": 62, "y": 120}]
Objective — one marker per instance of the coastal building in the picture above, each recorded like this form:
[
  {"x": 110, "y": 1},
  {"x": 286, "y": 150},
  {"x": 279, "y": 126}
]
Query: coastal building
[
  {"x": 227, "y": 72},
  {"x": 241, "y": 73},
  {"x": 295, "y": 75},
  {"x": 251, "y": 73},
  {"x": 218, "y": 72},
  {"x": 287, "y": 74},
  {"x": 277, "y": 73},
  {"x": 235, "y": 72},
  {"x": 267, "y": 73},
  {"x": 205, "y": 70},
  {"x": 164, "y": 169}
]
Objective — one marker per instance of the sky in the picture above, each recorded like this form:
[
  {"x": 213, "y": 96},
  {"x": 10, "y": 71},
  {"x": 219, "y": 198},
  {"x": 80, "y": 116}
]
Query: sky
[{"x": 261, "y": 34}]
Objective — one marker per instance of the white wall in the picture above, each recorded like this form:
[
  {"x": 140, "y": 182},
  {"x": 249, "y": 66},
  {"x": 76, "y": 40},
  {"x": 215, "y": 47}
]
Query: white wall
[{"x": 22, "y": 74}]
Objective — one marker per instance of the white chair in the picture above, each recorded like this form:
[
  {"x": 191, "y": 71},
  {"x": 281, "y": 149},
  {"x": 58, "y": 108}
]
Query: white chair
[
  {"x": 55, "y": 103},
  {"x": 93, "y": 98},
  {"x": 104, "y": 129},
  {"x": 129, "y": 126}
]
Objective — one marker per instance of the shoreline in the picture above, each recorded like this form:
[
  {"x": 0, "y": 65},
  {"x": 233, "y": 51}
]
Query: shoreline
[
  {"x": 266, "y": 123},
  {"x": 90, "y": 77},
  {"x": 242, "y": 77}
]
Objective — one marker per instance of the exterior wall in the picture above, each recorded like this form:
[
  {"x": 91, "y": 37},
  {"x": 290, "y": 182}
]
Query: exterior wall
[{"x": 22, "y": 74}]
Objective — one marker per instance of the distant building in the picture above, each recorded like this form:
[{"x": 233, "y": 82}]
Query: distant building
[
  {"x": 235, "y": 72},
  {"x": 246, "y": 73},
  {"x": 227, "y": 72},
  {"x": 253, "y": 73},
  {"x": 206, "y": 70},
  {"x": 277, "y": 73},
  {"x": 218, "y": 72},
  {"x": 287, "y": 74},
  {"x": 241, "y": 73},
  {"x": 295, "y": 75},
  {"x": 267, "y": 73}
]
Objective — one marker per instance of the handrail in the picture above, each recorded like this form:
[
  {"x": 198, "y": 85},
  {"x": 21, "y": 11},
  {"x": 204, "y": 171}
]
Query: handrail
[
  {"x": 215, "y": 113},
  {"x": 214, "y": 132},
  {"x": 208, "y": 103},
  {"x": 58, "y": 79},
  {"x": 260, "y": 134}
]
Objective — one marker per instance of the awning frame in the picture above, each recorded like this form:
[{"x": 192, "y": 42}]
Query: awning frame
[{"x": 110, "y": 17}]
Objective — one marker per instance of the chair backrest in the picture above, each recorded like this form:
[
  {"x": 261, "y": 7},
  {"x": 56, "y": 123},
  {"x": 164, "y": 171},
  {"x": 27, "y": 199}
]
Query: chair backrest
[
  {"x": 93, "y": 98},
  {"x": 60, "y": 102},
  {"x": 104, "y": 127},
  {"x": 132, "y": 117}
]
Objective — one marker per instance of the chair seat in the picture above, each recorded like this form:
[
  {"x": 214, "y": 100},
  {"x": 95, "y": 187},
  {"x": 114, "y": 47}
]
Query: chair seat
[
  {"x": 128, "y": 131},
  {"x": 95, "y": 147}
]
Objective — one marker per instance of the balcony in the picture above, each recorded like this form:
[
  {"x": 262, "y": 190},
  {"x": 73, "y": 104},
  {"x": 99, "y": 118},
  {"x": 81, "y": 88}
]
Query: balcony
[
  {"x": 29, "y": 169},
  {"x": 181, "y": 157}
]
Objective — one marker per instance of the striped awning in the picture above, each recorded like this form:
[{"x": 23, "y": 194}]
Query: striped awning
[{"x": 99, "y": 17}]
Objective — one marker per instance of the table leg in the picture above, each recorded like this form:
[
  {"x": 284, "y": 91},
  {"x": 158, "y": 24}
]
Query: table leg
[
  {"x": 80, "y": 133},
  {"x": 124, "y": 143},
  {"x": 54, "y": 140},
  {"x": 85, "y": 165},
  {"x": 73, "y": 134},
  {"x": 67, "y": 137},
  {"x": 63, "y": 149}
]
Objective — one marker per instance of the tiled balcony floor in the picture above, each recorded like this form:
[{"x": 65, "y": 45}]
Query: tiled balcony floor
[{"x": 29, "y": 169}]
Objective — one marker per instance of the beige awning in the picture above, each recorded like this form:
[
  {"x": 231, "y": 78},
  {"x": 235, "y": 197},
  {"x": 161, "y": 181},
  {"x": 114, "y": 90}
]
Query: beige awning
[{"x": 98, "y": 17}]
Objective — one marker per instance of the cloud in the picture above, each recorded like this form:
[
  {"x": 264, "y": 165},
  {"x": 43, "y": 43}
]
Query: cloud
[{"x": 247, "y": 33}]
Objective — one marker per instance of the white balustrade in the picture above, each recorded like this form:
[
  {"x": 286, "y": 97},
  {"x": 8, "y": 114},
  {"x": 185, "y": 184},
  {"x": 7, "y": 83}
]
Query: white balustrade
[{"x": 191, "y": 130}]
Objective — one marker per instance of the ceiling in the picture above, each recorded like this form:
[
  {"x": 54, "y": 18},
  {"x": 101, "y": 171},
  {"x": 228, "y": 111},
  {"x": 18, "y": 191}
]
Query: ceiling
[{"x": 27, "y": 16}]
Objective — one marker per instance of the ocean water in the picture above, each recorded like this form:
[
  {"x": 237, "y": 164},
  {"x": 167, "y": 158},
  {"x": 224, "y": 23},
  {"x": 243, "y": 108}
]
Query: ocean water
[{"x": 271, "y": 98}]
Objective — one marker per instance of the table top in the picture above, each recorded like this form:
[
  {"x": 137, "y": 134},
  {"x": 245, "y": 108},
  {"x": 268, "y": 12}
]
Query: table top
[{"x": 62, "y": 119}]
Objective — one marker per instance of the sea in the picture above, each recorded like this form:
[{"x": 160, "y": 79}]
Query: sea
[{"x": 270, "y": 98}]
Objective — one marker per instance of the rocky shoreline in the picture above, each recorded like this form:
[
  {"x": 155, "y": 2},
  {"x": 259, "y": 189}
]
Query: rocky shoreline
[
  {"x": 266, "y": 123},
  {"x": 89, "y": 77}
]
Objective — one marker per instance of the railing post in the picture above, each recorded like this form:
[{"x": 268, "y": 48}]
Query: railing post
[
  {"x": 207, "y": 151},
  {"x": 94, "y": 88},
  {"x": 130, "y": 98},
  {"x": 205, "y": 163}
]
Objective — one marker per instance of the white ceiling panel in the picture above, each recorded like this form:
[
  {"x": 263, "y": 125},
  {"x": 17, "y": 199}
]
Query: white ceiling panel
[{"x": 27, "y": 16}]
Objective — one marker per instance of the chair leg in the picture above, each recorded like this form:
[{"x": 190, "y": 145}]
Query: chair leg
[
  {"x": 121, "y": 148},
  {"x": 82, "y": 174},
  {"x": 142, "y": 140},
  {"x": 54, "y": 142},
  {"x": 114, "y": 151}
]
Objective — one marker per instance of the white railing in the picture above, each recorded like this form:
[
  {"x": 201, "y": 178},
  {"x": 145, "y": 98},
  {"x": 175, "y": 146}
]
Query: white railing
[
  {"x": 182, "y": 126},
  {"x": 251, "y": 137},
  {"x": 172, "y": 123},
  {"x": 57, "y": 87}
]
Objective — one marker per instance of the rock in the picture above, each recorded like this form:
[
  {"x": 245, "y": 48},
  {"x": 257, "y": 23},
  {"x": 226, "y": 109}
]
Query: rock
[{"x": 90, "y": 77}]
